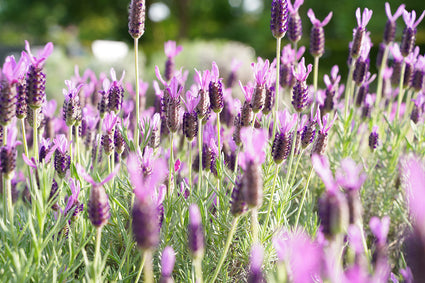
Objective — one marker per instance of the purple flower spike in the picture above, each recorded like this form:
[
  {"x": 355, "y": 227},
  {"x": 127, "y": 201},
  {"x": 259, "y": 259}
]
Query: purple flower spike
[
  {"x": 380, "y": 228},
  {"x": 195, "y": 231},
  {"x": 409, "y": 19},
  {"x": 294, "y": 21},
  {"x": 8, "y": 153},
  {"x": 374, "y": 138},
  {"x": 167, "y": 262},
  {"x": 136, "y": 18},
  {"x": 300, "y": 90},
  {"x": 255, "y": 274},
  {"x": 12, "y": 70},
  {"x": 301, "y": 73},
  {"x": 409, "y": 33},
  {"x": 349, "y": 175},
  {"x": 215, "y": 89},
  {"x": 279, "y": 18},
  {"x": 317, "y": 35},
  {"x": 359, "y": 32},
  {"x": 390, "y": 27}
]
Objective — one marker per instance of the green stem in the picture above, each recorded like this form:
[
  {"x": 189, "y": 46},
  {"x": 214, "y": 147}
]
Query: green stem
[
  {"x": 276, "y": 106},
  {"x": 348, "y": 87},
  {"x": 35, "y": 138},
  {"x": 296, "y": 167},
  {"x": 98, "y": 143},
  {"x": 148, "y": 269},
  {"x": 70, "y": 142},
  {"x": 269, "y": 208},
  {"x": 226, "y": 247},
  {"x": 8, "y": 196},
  {"x": 24, "y": 137},
  {"x": 400, "y": 90},
  {"x": 408, "y": 109},
  {"x": 254, "y": 225},
  {"x": 190, "y": 164},
  {"x": 97, "y": 256},
  {"x": 109, "y": 163},
  {"x": 219, "y": 153},
  {"x": 315, "y": 79},
  {"x": 200, "y": 154},
  {"x": 136, "y": 65},
  {"x": 77, "y": 146},
  {"x": 303, "y": 197},
  {"x": 381, "y": 77},
  {"x": 171, "y": 165},
  {"x": 4, "y": 135},
  {"x": 142, "y": 264}
]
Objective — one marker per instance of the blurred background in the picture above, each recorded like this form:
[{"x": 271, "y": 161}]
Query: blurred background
[{"x": 208, "y": 30}]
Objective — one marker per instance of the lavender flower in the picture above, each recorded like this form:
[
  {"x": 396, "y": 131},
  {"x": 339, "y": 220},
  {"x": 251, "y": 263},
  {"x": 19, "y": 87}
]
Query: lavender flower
[
  {"x": 362, "y": 63},
  {"x": 71, "y": 106},
  {"x": 247, "y": 113},
  {"x": 295, "y": 28},
  {"x": 8, "y": 153},
  {"x": 321, "y": 142},
  {"x": 279, "y": 18},
  {"x": 362, "y": 21},
  {"x": 167, "y": 264},
  {"x": 171, "y": 50},
  {"x": 333, "y": 209},
  {"x": 62, "y": 158},
  {"x": 282, "y": 142},
  {"x": 317, "y": 35},
  {"x": 136, "y": 18},
  {"x": 419, "y": 74},
  {"x": 262, "y": 70},
  {"x": 104, "y": 99},
  {"x": 373, "y": 138},
  {"x": 255, "y": 274},
  {"x": 409, "y": 33},
  {"x": 195, "y": 232},
  {"x": 235, "y": 65},
  {"x": 190, "y": 117},
  {"x": 390, "y": 26},
  {"x": 108, "y": 136},
  {"x": 73, "y": 203},
  {"x": 115, "y": 92},
  {"x": 309, "y": 131},
  {"x": 203, "y": 79},
  {"x": 251, "y": 183},
  {"x": 155, "y": 138},
  {"x": 98, "y": 203},
  {"x": 172, "y": 112},
  {"x": 300, "y": 89},
  {"x": 215, "y": 89},
  {"x": 36, "y": 79}
]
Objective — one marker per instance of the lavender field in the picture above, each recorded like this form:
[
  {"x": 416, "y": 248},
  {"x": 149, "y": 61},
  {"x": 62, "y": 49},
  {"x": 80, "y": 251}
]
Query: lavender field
[{"x": 201, "y": 175}]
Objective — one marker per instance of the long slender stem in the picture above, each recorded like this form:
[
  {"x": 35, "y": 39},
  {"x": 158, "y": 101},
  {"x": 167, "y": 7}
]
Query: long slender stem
[
  {"x": 277, "y": 86},
  {"x": 197, "y": 263},
  {"x": 254, "y": 225},
  {"x": 400, "y": 90},
  {"x": 35, "y": 138},
  {"x": 315, "y": 79},
  {"x": 136, "y": 65},
  {"x": 219, "y": 152},
  {"x": 98, "y": 143},
  {"x": 200, "y": 154},
  {"x": 109, "y": 163},
  {"x": 296, "y": 167},
  {"x": 300, "y": 208},
  {"x": 142, "y": 264},
  {"x": 348, "y": 87},
  {"x": 97, "y": 256},
  {"x": 269, "y": 208},
  {"x": 381, "y": 77},
  {"x": 8, "y": 183},
  {"x": 171, "y": 165},
  {"x": 226, "y": 247},
  {"x": 77, "y": 146},
  {"x": 70, "y": 142},
  {"x": 148, "y": 269},
  {"x": 190, "y": 164},
  {"x": 408, "y": 107},
  {"x": 24, "y": 137}
]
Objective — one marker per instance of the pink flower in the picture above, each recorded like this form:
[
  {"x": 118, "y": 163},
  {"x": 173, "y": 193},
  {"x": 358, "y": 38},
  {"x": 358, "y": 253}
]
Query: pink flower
[
  {"x": 316, "y": 22},
  {"x": 171, "y": 49},
  {"x": 322, "y": 168},
  {"x": 349, "y": 175},
  {"x": 254, "y": 142},
  {"x": 409, "y": 19},
  {"x": 380, "y": 228},
  {"x": 109, "y": 122},
  {"x": 261, "y": 71},
  {"x": 301, "y": 73},
  {"x": 42, "y": 55},
  {"x": 363, "y": 20},
  {"x": 397, "y": 14},
  {"x": 203, "y": 79}
]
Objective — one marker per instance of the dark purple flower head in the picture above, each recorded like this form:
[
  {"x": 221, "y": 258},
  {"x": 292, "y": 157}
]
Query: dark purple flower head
[
  {"x": 38, "y": 62},
  {"x": 167, "y": 261},
  {"x": 136, "y": 18},
  {"x": 374, "y": 138},
  {"x": 279, "y": 18}
]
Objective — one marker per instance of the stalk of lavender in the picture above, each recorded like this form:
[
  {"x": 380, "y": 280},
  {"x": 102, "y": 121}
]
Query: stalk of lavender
[
  {"x": 317, "y": 46},
  {"x": 389, "y": 36},
  {"x": 215, "y": 89},
  {"x": 136, "y": 28},
  {"x": 190, "y": 126},
  {"x": 36, "y": 81},
  {"x": 355, "y": 49},
  {"x": 108, "y": 137},
  {"x": 295, "y": 28},
  {"x": 278, "y": 26},
  {"x": 406, "y": 47}
]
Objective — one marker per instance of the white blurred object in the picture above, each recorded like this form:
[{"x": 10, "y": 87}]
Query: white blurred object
[
  {"x": 158, "y": 12},
  {"x": 109, "y": 51}
]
